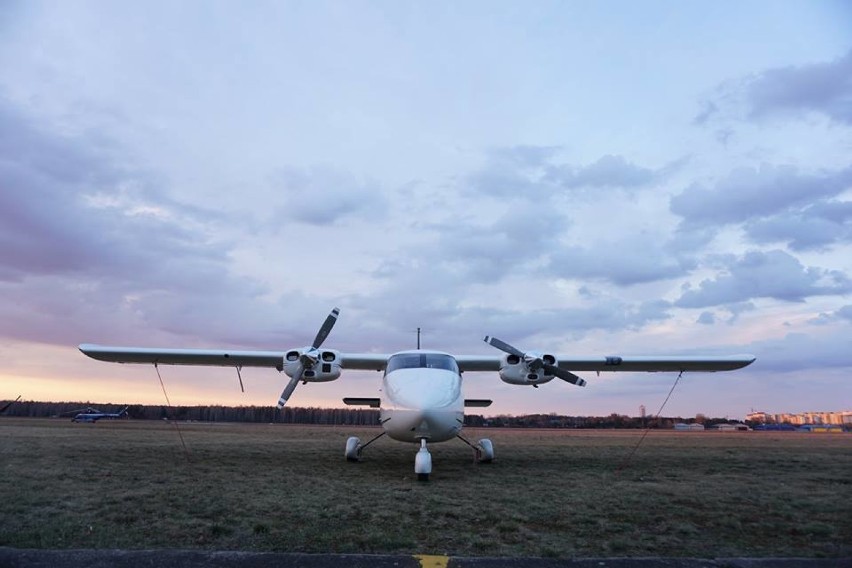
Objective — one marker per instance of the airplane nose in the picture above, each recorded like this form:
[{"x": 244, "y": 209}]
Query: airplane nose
[{"x": 431, "y": 424}]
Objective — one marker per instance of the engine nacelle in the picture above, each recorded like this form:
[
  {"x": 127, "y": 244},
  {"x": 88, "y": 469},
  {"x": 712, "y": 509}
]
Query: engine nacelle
[
  {"x": 326, "y": 368},
  {"x": 515, "y": 371}
]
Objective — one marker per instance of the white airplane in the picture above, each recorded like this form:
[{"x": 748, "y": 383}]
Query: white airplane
[{"x": 421, "y": 395}]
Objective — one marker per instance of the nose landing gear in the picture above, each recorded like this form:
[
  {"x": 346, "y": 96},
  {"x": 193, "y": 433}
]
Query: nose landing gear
[{"x": 423, "y": 462}]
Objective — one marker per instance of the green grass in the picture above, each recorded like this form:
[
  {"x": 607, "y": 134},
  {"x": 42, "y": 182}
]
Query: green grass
[{"x": 127, "y": 484}]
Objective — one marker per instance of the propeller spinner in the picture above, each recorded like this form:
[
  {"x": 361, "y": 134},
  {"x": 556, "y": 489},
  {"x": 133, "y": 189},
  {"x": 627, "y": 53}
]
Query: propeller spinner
[
  {"x": 535, "y": 362},
  {"x": 309, "y": 357}
]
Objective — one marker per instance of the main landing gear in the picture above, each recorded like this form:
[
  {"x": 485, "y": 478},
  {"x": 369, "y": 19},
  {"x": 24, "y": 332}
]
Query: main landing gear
[
  {"x": 354, "y": 448},
  {"x": 483, "y": 453}
]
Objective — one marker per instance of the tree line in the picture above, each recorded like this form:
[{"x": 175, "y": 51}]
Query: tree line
[{"x": 333, "y": 416}]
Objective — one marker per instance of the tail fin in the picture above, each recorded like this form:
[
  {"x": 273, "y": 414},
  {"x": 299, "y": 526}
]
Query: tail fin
[{"x": 123, "y": 411}]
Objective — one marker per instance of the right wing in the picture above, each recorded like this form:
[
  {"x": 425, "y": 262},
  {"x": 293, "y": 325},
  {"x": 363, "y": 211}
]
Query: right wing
[
  {"x": 219, "y": 357},
  {"x": 215, "y": 357}
]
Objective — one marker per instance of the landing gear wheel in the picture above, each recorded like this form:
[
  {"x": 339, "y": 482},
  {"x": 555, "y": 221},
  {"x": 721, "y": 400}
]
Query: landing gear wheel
[
  {"x": 353, "y": 449},
  {"x": 486, "y": 451},
  {"x": 423, "y": 462}
]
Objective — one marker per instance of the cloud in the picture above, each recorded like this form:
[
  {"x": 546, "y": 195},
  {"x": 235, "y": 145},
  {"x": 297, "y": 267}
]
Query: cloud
[
  {"x": 706, "y": 318},
  {"x": 66, "y": 208},
  {"x": 820, "y": 87},
  {"x": 516, "y": 240},
  {"x": 774, "y": 274},
  {"x": 456, "y": 324},
  {"x": 748, "y": 193},
  {"x": 90, "y": 250},
  {"x": 841, "y": 314},
  {"x": 709, "y": 110},
  {"x": 816, "y": 226},
  {"x": 514, "y": 171},
  {"x": 524, "y": 155},
  {"x": 627, "y": 260},
  {"x": 533, "y": 171},
  {"x": 607, "y": 172},
  {"x": 824, "y": 88},
  {"x": 800, "y": 351},
  {"x": 323, "y": 195}
]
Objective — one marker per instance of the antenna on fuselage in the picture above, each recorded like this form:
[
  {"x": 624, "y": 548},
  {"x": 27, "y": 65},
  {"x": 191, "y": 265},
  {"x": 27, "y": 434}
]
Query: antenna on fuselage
[{"x": 418, "y": 339}]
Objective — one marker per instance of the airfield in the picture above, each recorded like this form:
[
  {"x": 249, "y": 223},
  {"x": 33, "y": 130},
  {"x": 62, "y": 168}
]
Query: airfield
[{"x": 553, "y": 494}]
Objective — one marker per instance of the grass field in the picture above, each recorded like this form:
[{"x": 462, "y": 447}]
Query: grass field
[{"x": 127, "y": 484}]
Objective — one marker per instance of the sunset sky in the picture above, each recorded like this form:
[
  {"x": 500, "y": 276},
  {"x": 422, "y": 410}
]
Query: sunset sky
[{"x": 585, "y": 178}]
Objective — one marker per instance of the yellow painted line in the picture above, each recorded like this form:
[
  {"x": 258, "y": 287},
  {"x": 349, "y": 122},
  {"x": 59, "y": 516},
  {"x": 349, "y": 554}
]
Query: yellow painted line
[{"x": 430, "y": 561}]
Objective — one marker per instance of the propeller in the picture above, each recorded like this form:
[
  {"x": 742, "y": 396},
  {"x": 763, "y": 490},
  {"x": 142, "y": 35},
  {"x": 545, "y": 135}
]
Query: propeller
[
  {"x": 535, "y": 362},
  {"x": 88, "y": 410},
  {"x": 309, "y": 357}
]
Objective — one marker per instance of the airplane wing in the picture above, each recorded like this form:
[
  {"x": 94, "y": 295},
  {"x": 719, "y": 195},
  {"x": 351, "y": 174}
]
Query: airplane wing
[
  {"x": 219, "y": 357},
  {"x": 657, "y": 363},
  {"x": 653, "y": 363}
]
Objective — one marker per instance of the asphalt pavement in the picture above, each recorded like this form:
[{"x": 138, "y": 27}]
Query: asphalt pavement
[{"x": 29, "y": 558}]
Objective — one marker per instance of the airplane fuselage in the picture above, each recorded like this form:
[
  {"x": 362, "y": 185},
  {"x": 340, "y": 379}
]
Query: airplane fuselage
[
  {"x": 90, "y": 417},
  {"x": 87, "y": 418},
  {"x": 421, "y": 397}
]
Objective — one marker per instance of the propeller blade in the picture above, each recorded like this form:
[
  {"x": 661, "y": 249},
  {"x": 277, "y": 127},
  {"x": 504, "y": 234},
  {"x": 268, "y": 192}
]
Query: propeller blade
[
  {"x": 503, "y": 346},
  {"x": 288, "y": 390},
  {"x": 567, "y": 376},
  {"x": 535, "y": 363},
  {"x": 326, "y": 328}
]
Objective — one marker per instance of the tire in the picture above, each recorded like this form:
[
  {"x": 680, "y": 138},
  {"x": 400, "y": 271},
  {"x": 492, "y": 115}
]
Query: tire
[
  {"x": 486, "y": 451},
  {"x": 353, "y": 449}
]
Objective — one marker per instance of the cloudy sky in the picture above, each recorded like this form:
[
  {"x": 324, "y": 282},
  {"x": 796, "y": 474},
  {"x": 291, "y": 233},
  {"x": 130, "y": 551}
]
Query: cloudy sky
[{"x": 582, "y": 178}]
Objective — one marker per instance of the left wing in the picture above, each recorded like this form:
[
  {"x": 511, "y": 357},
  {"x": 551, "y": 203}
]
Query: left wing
[{"x": 657, "y": 363}]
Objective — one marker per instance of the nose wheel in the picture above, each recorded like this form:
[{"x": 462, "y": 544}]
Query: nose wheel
[{"x": 423, "y": 462}]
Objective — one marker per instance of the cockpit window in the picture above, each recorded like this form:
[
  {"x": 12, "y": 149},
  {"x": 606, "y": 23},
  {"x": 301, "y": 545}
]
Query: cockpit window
[{"x": 422, "y": 361}]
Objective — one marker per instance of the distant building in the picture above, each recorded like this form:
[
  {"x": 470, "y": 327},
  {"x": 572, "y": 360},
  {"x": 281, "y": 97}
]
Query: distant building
[
  {"x": 683, "y": 427},
  {"x": 839, "y": 418},
  {"x": 821, "y": 428},
  {"x": 736, "y": 427},
  {"x": 761, "y": 417}
]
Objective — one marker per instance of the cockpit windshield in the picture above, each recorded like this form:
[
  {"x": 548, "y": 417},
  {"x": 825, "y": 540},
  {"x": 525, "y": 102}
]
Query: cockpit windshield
[{"x": 422, "y": 361}]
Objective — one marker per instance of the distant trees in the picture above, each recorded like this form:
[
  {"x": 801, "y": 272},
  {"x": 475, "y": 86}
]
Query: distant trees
[
  {"x": 335, "y": 416},
  {"x": 287, "y": 415}
]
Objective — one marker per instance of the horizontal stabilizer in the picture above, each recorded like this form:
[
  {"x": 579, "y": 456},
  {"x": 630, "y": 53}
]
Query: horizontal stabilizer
[
  {"x": 355, "y": 401},
  {"x": 480, "y": 402}
]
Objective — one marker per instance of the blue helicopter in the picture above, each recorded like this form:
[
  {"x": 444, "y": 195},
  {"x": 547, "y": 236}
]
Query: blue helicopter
[{"x": 92, "y": 415}]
